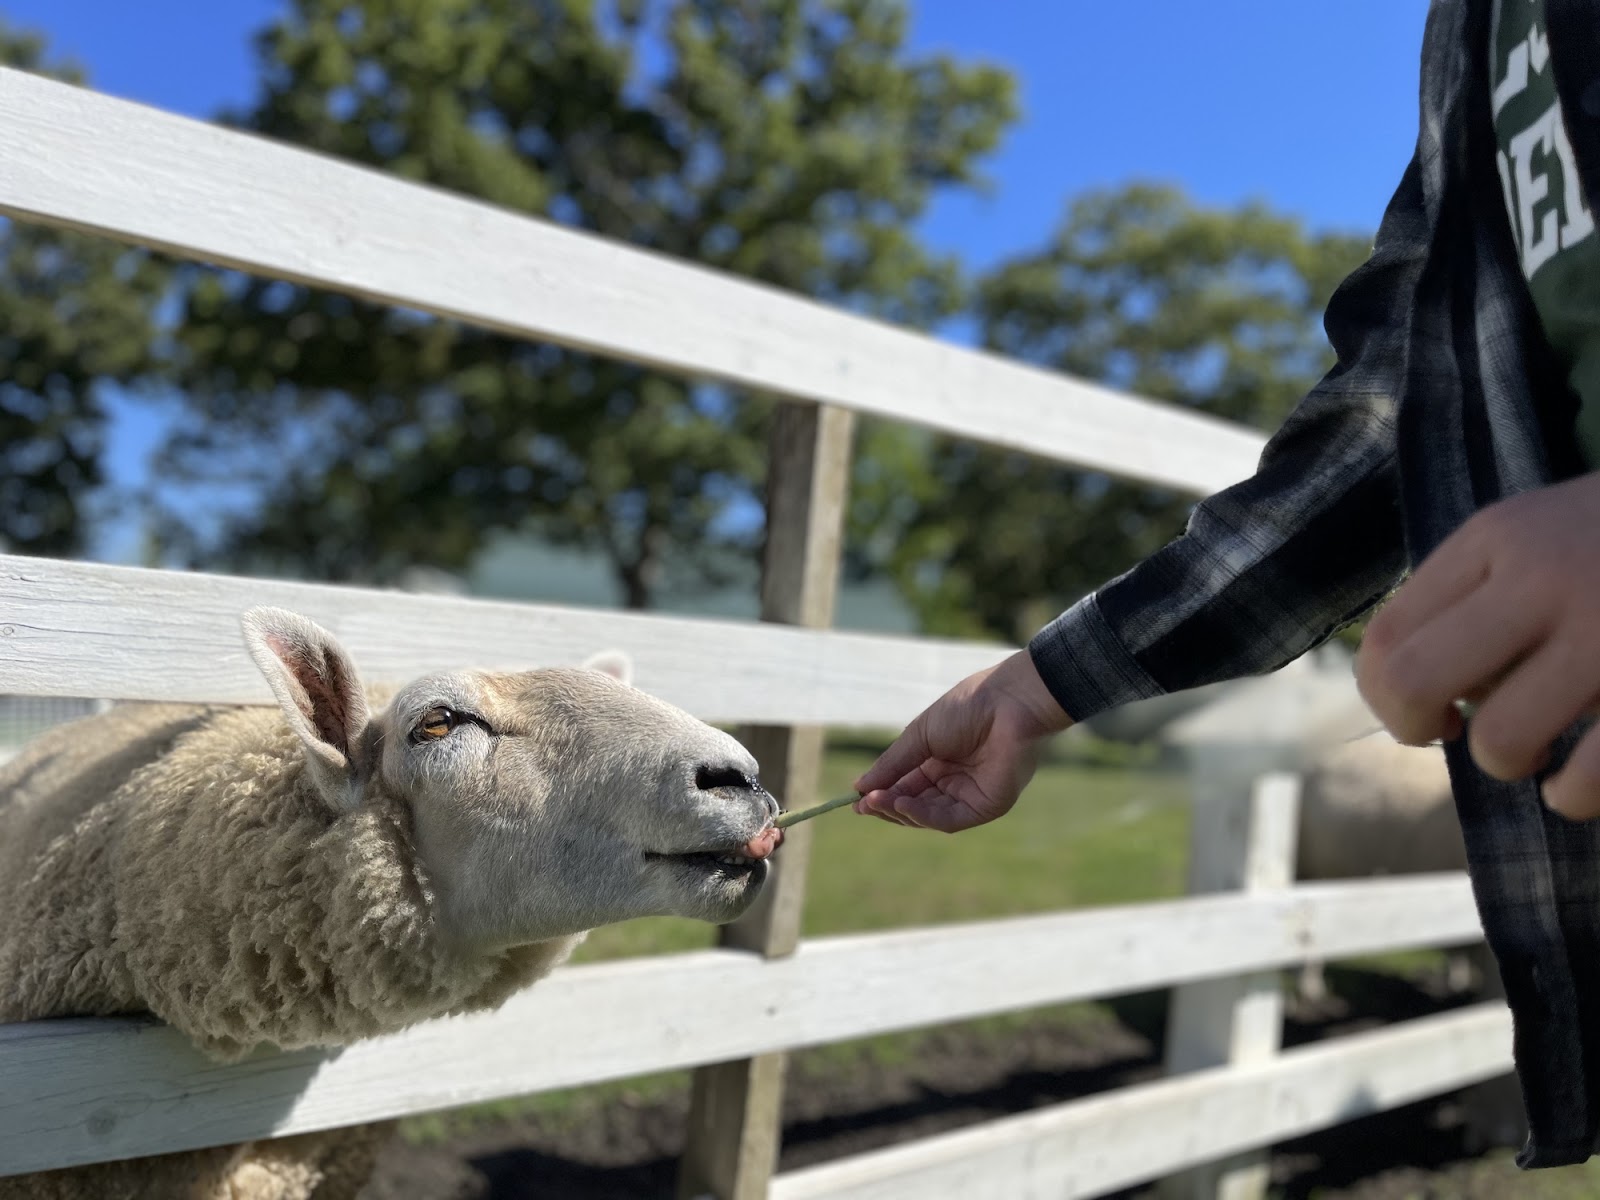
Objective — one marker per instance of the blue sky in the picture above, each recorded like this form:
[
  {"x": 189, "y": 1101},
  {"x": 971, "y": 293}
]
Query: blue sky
[{"x": 1309, "y": 105}]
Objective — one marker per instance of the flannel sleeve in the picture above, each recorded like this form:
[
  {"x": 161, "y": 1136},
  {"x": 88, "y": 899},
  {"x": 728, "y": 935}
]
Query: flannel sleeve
[{"x": 1273, "y": 565}]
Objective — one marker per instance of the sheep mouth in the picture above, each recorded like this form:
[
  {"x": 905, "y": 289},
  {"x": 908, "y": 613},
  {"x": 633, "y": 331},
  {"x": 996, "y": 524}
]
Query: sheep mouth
[{"x": 731, "y": 864}]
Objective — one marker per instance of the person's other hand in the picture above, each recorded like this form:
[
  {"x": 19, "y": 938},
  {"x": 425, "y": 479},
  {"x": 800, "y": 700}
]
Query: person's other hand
[
  {"x": 1506, "y": 615},
  {"x": 967, "y": 757}
]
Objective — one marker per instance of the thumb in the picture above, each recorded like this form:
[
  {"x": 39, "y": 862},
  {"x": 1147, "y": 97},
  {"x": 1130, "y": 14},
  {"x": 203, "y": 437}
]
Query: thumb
[{"x": 909, "y": 751}]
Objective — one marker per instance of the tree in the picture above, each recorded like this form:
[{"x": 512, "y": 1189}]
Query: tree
[
  {"x": 1211, "y": 309},
  {"x": 792, "y": 141},
  {"x": 75, "y": 312}
]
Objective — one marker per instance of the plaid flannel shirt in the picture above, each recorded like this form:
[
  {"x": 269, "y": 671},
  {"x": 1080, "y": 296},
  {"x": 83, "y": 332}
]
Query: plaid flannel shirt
[{"x": 1444, "y": 398}]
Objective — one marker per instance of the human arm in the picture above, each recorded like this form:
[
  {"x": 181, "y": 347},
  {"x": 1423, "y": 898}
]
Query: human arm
[{"x": 1265, "y": 570}]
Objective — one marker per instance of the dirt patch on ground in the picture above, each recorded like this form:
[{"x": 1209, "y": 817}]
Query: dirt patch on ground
[{"x": 626, "y": 1146}]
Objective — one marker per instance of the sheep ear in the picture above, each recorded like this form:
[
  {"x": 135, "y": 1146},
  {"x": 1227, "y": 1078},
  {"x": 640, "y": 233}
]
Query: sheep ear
[
  {"x": 613, "y": 663},
  {"x": 321, "y": 696}
]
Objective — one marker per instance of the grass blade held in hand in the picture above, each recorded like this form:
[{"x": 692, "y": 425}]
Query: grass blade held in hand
[{"x": 805, "y": 814}]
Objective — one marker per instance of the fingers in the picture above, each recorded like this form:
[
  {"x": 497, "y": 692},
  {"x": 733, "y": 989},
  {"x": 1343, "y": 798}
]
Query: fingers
[
  {"x": 880, "y": 802},
  {"x": 901, "y": 803},
  {"x": 1457, "y": 567},
  {"x": 908, "y": 751},
  {"x": 1511, "y": 734},
  {"x": 1411, "y": 683},
  {"x": 933, "y": 808},
  {"x": 939, "y": 811},
  {"x": 888, "y": 817},
  {"x": 910, "y": 784},
  {"x": 1574, "y": 791},
  {"x": 935, "y": 796}
]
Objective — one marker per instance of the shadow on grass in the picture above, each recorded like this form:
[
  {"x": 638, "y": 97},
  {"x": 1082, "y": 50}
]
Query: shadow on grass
[{"x": 522, "y": 1174}]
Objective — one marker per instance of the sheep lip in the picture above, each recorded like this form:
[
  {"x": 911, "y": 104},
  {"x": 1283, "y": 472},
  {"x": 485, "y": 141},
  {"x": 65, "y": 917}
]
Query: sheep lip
[
  {"x": 728, "y": 860},
  {"x": 706, "y": 852}
]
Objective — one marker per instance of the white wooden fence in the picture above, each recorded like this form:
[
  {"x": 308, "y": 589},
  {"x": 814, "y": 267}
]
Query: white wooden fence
[{"x": 80, "y": 1091}]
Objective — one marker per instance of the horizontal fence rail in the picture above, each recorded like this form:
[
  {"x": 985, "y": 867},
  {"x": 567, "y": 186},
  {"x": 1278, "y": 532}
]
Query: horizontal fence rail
[
  {"x": 1098, "y": 1145},
  {"x": 81, "y": 1091},
  {"x": 73, "y": 158},
  {"x": 131, "y": 634}
]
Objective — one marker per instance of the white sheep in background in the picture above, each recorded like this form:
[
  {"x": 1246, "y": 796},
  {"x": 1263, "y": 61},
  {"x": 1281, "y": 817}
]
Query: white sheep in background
[
  {"x": 317, "y": 874},
  {"x": 1371, "y": 806}
]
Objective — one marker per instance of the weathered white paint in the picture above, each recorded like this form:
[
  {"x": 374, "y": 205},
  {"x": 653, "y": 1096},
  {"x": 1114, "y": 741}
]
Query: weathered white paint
[
  {"x": 73, "y": 158},
  {"x": 735, "y": 1124},
  {"x": 1090, "y": 1147},
  {"x": 127, "y": 633},
  {"x": 84, "y": 1091},
  {"x": 1246, "y": 844},
  {"x": 1242, "y": 842}
]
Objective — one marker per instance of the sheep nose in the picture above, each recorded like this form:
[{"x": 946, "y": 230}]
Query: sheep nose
[{"x": 709, "y": 778}]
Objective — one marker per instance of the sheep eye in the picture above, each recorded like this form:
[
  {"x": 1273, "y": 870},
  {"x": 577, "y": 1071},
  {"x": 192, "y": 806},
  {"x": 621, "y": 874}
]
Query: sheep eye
[{"x": 435, "y": 724}]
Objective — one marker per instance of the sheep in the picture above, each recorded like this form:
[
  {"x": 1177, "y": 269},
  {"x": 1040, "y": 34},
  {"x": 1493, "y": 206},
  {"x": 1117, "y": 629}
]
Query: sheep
[
  {"x": 326, "y": 872},
  {"x": 1371, "y": 806}
]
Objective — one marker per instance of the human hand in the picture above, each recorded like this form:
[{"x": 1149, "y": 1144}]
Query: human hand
[
  {"x": 967, "y": 757},
  {"x": 1504, "y": 614}
]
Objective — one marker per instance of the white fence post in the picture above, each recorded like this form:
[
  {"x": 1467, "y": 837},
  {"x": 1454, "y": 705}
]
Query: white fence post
[
  {"x": 735, "y": 1112},
  {"x": 1243, "y": 842}
]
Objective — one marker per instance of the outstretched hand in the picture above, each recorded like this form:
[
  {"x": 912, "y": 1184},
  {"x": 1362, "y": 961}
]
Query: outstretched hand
[
  {"x": 1505, "y": 614},
  {"x": 966, "y": 758}
]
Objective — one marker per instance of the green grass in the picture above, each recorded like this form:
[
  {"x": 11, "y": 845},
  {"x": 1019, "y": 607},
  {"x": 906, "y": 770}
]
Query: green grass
[{"x": 565, "y": 1109}]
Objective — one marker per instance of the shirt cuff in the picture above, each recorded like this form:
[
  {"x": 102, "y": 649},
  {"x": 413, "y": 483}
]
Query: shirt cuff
[{"x": 1085, "y": 664}]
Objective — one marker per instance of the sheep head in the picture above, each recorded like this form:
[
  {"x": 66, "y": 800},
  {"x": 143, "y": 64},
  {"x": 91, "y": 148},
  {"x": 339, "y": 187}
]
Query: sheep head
[{"x": 543, "y": 803}]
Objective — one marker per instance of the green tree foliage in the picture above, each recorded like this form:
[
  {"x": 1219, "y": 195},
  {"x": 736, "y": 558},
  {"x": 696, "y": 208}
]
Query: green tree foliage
[
  {"x": 74, "y": 313},
  {"x": 1215, "y": 310},
  {"x": 792, "y": 141}
]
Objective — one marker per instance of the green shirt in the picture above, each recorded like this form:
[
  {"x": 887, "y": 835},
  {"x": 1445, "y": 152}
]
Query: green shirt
[{"x": 1550, "y": 215}]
